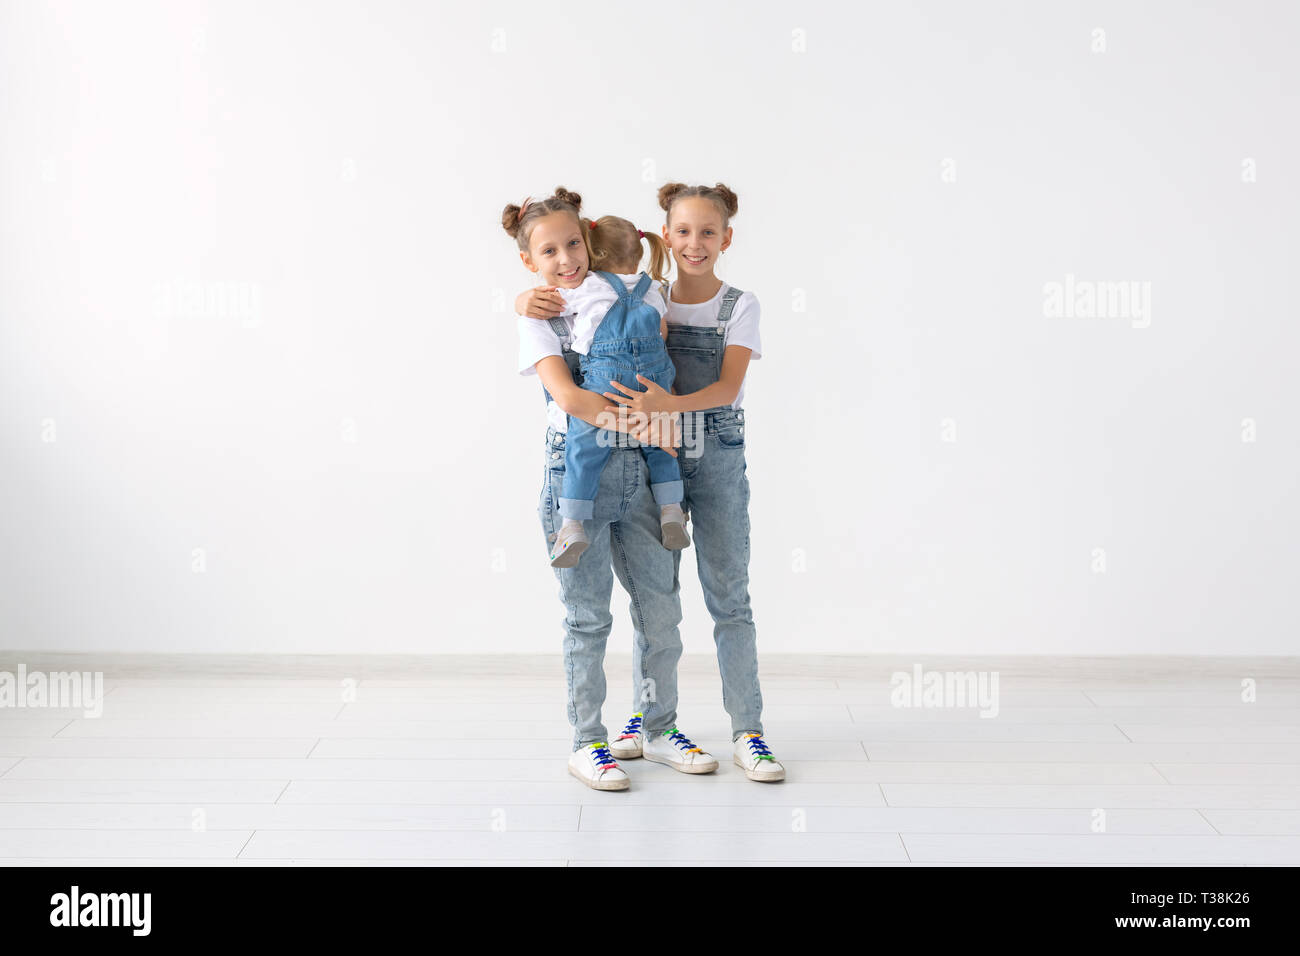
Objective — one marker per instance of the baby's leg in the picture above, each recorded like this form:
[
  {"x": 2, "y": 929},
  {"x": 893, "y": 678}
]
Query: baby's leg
[
  {"x": 665, "y": 476},
  {"x": 585, "y": 456},
  {"x": 584, "y": 460},
  {"x": 666, "y": 485}
]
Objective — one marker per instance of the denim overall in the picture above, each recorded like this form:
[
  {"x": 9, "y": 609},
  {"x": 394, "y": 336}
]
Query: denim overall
[
  {"x": 625, "y": 542},
  {"x": 717, "y": 499},
  {"x": 626, "y": 343}
]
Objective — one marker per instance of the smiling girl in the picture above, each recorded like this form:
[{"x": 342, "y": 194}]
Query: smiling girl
[{"x": 712, "y": 337}]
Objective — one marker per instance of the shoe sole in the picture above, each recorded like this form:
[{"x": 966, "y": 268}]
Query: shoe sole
[
  {"x": 599, "y": 785},
  {"x": 568, "y": 558},
  {"x": 625, "y": 754},
  {"x": 681, "y": 767},
  {"x": 675, "y": 537},
  {"x": 755, "y": 775}
]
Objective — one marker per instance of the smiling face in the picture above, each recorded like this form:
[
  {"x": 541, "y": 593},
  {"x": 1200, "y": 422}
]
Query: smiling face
[
  {"x": 696, "y": 236},
  {"x": 557, "y": 251}
]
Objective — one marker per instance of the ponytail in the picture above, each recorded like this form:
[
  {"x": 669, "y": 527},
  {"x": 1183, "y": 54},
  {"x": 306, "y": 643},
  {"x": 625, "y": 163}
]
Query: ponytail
[{"x": 658, "y": 256}]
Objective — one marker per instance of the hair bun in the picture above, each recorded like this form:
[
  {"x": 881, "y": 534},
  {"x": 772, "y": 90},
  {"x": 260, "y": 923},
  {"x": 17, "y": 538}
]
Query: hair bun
[
  {"x": 510, "y": 220},
  {"x": 667, "y": 192},
  {"x": 728, "y": 199},
  {"x": 564, "y": 195}
]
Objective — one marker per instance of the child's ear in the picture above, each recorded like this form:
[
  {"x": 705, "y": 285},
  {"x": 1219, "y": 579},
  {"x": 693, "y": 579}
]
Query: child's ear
[
  {"x": 527, "y": 260},
  {"x": 665, "y": 230},
  {"x": 726, "y": 239}
]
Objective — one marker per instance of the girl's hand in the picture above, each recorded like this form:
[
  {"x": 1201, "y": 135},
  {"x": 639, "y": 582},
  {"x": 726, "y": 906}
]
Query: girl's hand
[
  {"x": 543, "y": 302},
  {"x": 661, "y": 429},
  {"x": 654, "y": 399}
]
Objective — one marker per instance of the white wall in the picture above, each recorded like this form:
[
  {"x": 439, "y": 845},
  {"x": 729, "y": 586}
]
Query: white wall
[{"x": 229, "y": 227}]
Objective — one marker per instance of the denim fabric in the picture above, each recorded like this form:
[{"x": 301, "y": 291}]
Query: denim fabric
[
  {"x": 624, "y": 532},
  {"x": 626, "y": 343},
  {"x": 717, "y": 500}
]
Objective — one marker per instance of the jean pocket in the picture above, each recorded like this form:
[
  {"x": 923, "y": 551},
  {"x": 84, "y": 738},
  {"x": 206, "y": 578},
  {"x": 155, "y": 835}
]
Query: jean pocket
[{"x": 731, "y": 436}]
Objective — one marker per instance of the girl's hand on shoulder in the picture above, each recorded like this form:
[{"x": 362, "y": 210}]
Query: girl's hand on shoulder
[
  {"x": 543, "y": 302},
  {"x": 653, "y": 400}
]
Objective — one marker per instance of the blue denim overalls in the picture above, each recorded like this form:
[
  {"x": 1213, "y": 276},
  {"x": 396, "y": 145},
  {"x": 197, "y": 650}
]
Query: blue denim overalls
[
  {"x": 717, "y": 499},
  {"x": 626, "y": 343}
]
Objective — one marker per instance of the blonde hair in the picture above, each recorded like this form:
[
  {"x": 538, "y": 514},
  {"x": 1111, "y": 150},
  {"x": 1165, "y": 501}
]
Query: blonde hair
[
  {"x": 720, "y": 195},
  {"x": 615, "y": 242}
]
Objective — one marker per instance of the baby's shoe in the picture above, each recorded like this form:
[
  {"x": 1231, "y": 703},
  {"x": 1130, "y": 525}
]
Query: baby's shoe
[
  {"x": 570, "y": 542},
  {"x": 752, "y": 756},
  {"x": 596, "y": 767},
  {"x": 672, "y": 527},
  {"x": 675, "y": 749},
  {"x": 628, "y": 744}
]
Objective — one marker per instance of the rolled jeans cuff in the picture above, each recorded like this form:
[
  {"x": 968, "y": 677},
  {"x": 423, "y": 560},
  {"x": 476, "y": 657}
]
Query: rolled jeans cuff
[
  {"x": 665, "y": 492},
  {"x": 579, "y": 509}
]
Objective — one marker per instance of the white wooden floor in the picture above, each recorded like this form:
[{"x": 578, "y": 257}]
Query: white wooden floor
[{"x": 247, "y": 761}]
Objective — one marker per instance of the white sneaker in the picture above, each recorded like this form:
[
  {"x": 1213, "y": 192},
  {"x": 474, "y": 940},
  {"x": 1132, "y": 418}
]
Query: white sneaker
[
  {"x": 628, "y": 744},
  {"x": 675, "y": 749},
  {"x": 672, "y": 528},
  {"x": 570, "y": 542},
  {"x": 752, "y": 756},
  {"x": 595, "y": 767}
]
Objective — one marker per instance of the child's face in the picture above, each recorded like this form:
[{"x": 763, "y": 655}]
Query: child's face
[
  {"x": 556, "y": 251},
  {"x": 696, "y": 236}
]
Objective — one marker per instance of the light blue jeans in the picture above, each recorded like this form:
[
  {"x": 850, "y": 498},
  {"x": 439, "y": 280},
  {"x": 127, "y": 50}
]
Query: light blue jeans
[
  {"x": 717, "y": 499},
  {"x": 624, "y": 532}
]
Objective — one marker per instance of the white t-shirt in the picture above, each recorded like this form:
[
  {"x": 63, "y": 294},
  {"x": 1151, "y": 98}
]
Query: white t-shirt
[
  {"x": 536, "y": 341},
  {"x": 591, "y": 300},
  {"x": 741, "y": 328}
]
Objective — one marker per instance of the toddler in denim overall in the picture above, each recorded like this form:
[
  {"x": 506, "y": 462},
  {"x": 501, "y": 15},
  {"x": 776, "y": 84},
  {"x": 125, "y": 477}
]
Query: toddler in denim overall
[{"x": 626, "y": 343}]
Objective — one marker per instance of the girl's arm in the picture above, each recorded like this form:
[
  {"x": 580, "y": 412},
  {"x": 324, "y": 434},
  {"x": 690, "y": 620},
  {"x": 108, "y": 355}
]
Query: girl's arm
[
  {"x": 735, "y": 362},
  {"x": 586, "y": 405},
  {"x": 543, "y": 302}
]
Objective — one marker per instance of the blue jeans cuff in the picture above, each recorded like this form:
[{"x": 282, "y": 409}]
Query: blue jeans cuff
[
  {"x": 666, "y": 493},
  {"x": 579, "y": 509}
]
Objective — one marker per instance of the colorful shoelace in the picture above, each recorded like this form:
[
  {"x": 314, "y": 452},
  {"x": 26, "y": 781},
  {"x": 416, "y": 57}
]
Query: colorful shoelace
[
  {"x": 757, "y": 749},
  {"x": 682, "y": 742},
  {"x": 632, "y": 729},
  {"x": 604, "y": 759}
]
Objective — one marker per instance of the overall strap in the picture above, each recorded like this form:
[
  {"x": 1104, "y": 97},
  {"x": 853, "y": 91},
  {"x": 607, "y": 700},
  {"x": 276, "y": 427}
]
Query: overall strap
[
  {"x": 728, "y": 304},
  {"x": 561, "y": 332},
  {"x": 641, "y": 288},
  {"x": 619, "y": 288}
]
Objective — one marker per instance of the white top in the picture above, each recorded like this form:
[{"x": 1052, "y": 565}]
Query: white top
[
  {"x": 594, "y": 298},
  {"x": 536, "y": 341},
  {"x": 741, "y": 328}
]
